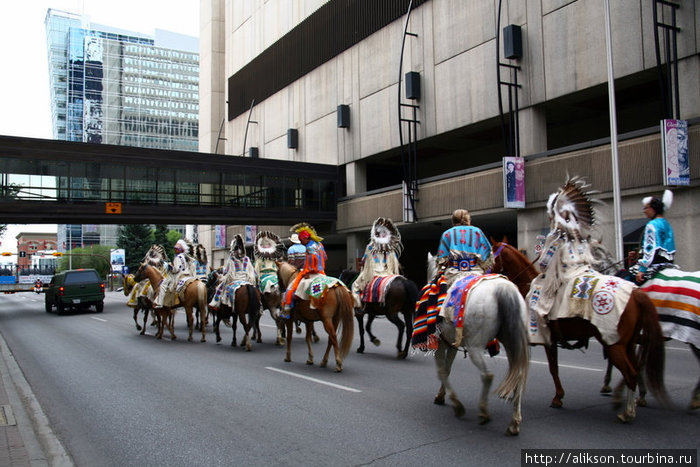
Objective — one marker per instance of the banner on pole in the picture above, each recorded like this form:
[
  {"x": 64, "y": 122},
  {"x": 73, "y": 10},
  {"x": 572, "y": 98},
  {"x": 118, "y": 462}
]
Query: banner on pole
[
  {"x": 674, "y": 143},
  {"x": 513, "y": 182}
]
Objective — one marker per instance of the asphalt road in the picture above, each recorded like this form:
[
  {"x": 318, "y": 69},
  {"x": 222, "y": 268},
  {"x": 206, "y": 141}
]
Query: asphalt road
[{"x": 116, "y": 398}]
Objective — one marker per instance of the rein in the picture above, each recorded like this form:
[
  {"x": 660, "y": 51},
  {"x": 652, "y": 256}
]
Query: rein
[{"x": 512, "y": 279}]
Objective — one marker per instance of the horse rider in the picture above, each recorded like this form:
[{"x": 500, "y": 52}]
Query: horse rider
[
  {"x": 157, "y": 258},
  {"x": 381, "y": 257},
  {"x": 658, "y": 247},
  {"x": 200, "y": 262},
  {"x": 266, "y": 251},
  {"x": 463, "y": 249},
  {"x": 566, "y": 252},
  {"x": 314, "y": 264},
  {"x": 296, "y": 253},
  {"x": 179, "y": 273},
  {"x": 237, "y": 271}
]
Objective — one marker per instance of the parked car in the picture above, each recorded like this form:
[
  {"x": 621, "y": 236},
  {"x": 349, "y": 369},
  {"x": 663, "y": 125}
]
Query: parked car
[{"x": 75, "y": 289}]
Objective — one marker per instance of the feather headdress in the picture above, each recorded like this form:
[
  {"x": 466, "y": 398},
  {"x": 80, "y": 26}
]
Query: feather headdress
[
  {"x": 571, "y": 209},
  {"x": 665, "y": 202},
  {"x": 385, "y": 236},
  {"x": 156, "y": 255},
  {"x": 237, "y": 246},
  {"x": 267, "y": 245},
  {"x": 201, "y": 254},
  {"x": 304, "y": 227}
]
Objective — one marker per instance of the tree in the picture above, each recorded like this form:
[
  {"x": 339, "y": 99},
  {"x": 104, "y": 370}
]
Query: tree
[
  {"x": 92, "y": 257},
  {"x": 160, "y": 236},
  {"x": 136, "y": 240}
]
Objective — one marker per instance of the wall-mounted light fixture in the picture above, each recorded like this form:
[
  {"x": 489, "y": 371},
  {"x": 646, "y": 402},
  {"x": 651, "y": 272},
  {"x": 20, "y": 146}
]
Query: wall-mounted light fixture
[
  {"x": 513, "y": 42},
  {"x": 253, "y": 152},
  {"x": 413, "y": 85},
  {"x": 343, "y": 116},
  {"x": 292, "y": 138}
]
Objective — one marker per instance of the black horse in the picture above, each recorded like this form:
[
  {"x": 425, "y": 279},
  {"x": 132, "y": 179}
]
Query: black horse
[
  {"x": 247, "y": 310},
  {"x": 400, "y": 297}
]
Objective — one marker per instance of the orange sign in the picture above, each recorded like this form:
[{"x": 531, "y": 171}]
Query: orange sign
[{"x": 113, "y": 208}]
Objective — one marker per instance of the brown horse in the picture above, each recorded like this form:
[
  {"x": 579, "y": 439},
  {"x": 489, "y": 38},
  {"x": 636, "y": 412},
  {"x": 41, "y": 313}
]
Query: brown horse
[
  {"x": 246, "y": 309},
  {"x": 195, "y": 296},
  {"x": 400, "y": 299},
  {"x": 639, "y": 318},
  {"x": 336, "y": 309}
]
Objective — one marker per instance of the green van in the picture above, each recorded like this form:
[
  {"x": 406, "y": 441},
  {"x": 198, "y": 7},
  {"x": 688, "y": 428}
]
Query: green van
[{"x": 76, "y": 289}]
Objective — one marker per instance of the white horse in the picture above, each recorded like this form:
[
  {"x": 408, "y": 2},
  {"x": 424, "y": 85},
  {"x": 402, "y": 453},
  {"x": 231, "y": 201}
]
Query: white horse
[{"x": 494, "y": 309}]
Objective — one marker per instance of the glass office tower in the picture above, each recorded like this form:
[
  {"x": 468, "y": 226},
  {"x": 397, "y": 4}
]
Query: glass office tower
[{"x": 110, "y": 86}]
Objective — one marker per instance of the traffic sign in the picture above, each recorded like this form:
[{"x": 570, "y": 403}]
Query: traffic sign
[{"x": 113, "y": 208}]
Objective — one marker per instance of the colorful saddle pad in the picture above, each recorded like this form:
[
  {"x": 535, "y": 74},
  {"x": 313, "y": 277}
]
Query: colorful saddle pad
[
  {"x": 375, "y": 290},
  {"x": 428, "y": 306}
]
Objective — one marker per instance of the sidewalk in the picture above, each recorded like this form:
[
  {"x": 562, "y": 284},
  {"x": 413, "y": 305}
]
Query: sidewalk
[{"x": 26, "y": 439}]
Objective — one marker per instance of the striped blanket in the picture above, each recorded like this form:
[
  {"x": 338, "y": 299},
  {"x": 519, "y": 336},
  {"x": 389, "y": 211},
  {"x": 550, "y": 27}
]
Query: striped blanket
[
  {"x": 676, "y": 295},
  {"x": 375, "y": 290},
  {"x": 425, "y": 319}
]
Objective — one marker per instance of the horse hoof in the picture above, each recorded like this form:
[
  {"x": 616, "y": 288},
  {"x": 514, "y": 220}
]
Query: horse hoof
[
  {"x": 309, "y": 362},
  {"x": 695, "y": 403},
  {"x": 459, "y": 411},
  {"x": 556, "y": 404},
  {"x": 287, "y": 360},
  {"x": 624, "y": 418},
  {"x": 203, "y": 339},
  {"x": 323, "y": 365},
  {"x": 138, "y": 328},
  {"x": 484, "y": 419},
  {"x": 376, "y": 342},
  {"x": 360, "y": 350},
  {"x": 189, "y": 339},
  {"x": 439, "y": 400},
  {"x": 402, "y": 355},
  {"x": 338, "y": 369},
  {"x": 642, "y": 402},
  {"x": 513, "y": 429},
  {"x": 605, "y": 389},
  {"x": 316, "y": 339}
]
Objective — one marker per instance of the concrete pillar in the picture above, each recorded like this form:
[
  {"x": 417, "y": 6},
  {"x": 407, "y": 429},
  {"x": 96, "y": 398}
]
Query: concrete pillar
[
  {"x": 356, "y": 178},
  {"x": 533, "y": 131},
  {"x": 356, "y": 243}
]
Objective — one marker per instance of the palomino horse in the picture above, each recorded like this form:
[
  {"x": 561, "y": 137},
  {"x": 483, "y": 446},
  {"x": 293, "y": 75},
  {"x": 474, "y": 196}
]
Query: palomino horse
[
  {"x": 335, "y": 309},
  {"x": 494, "y": 309},
  {"x": 400, "y": 297},
  {"x": 246, "y": 309},
  {"x": 195, "y": 296},
  {"x": 638, "y": 318}
]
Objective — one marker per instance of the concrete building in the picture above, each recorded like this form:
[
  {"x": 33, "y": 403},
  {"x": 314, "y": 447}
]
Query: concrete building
[
  {"x": 111, "y": 86},
  {"x": 332, "y": 75}
]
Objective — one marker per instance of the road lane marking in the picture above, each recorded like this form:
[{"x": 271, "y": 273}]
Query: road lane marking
[
  {"x": 308, "y": 378},
  {"x": 98, "y": 319},
  {"x": 561, "y": 365}
]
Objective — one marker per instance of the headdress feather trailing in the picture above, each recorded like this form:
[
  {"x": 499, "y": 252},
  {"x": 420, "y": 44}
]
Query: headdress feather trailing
[
  {"x": 385, "y": 236},
  {"x": 190, "y": 248},
  {"x": 201, "y": 254},
  {"x": 571, "y": 209},
  {"x": 659, "y": 205},
  {"x": 238, "y": 246},
  {"x": 304, "y": 227},
  {"x": 267, "y": 245}
]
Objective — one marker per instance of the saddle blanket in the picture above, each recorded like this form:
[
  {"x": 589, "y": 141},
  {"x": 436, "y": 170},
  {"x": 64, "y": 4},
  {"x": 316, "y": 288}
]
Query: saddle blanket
[
  {"x": 458, "y": 295},
  {"x": 319, "y": 286},
  {"x": 269, "y": 283},
  {"x": 596, "y": 298},
  {"x": 676, "y": 295},
  {"x": 431, "y": 298},
  {"x": 230, "y": 293},
  {"x": 375, "y": 290}
]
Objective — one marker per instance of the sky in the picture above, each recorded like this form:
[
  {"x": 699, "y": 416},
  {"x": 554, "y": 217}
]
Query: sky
[{"x": 24, "y": 81}]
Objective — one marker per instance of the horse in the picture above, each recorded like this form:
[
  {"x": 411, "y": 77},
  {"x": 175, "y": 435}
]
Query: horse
[
  {"x": 195, "y": 296},
  {"x": 494, "y": 309},
  {"x": 400, "y": 297},
  {"x": 335, "y": 308},
  {"x": 639, "y": 318},
  {"x": 676, "y": 295},
  {"x": 246, "y": 309},
  {"x": 142, "y": 303}
]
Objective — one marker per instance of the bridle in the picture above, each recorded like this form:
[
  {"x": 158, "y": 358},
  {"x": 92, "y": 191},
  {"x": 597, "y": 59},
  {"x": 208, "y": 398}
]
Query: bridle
[{"x": 498, "y": 253}]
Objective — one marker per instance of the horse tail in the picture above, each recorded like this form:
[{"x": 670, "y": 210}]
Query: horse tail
[
  {"x": 347, "y": 320},
  {"x": 253, "y": 304},
  {"x": 513, "y": 334},
  {"x": 652, "y": 345}
]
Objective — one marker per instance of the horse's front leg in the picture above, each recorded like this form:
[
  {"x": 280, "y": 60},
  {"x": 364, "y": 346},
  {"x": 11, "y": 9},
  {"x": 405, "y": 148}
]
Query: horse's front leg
[
  {"x": 372, "y": 338},
  {"x": 170, "y": 319},
  {"x": 217, "y": 321},
  {"x": 695, "y": 400},
  {"x": 136, "y": 317},
  {"x": 309, "y": 339},
  {"x": 477, "y": 359},
  {"x": 394, "y": 318},
  {"x": 361, "y": 326},
  {"x": 290, "y": 326},
  {"x": 444, "y": 357},
  {"x": 552, "y": 359}
]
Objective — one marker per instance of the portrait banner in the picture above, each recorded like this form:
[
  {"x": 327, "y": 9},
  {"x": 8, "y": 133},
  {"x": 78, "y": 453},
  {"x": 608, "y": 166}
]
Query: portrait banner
[
  {"x": 513, "y": 182},
  {"x": 219, "y": 236},
  {"x": 674, "y": 142}
]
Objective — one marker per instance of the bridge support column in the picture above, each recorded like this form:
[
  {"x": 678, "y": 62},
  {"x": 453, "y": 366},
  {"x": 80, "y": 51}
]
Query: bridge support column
[{"x": 356, "y": 242}]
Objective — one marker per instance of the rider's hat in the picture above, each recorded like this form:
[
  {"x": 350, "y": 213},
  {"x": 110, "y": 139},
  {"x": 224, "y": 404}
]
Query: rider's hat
[
  {"x": 302, "y": 227},
  {"x": 659, "y": 205}
]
